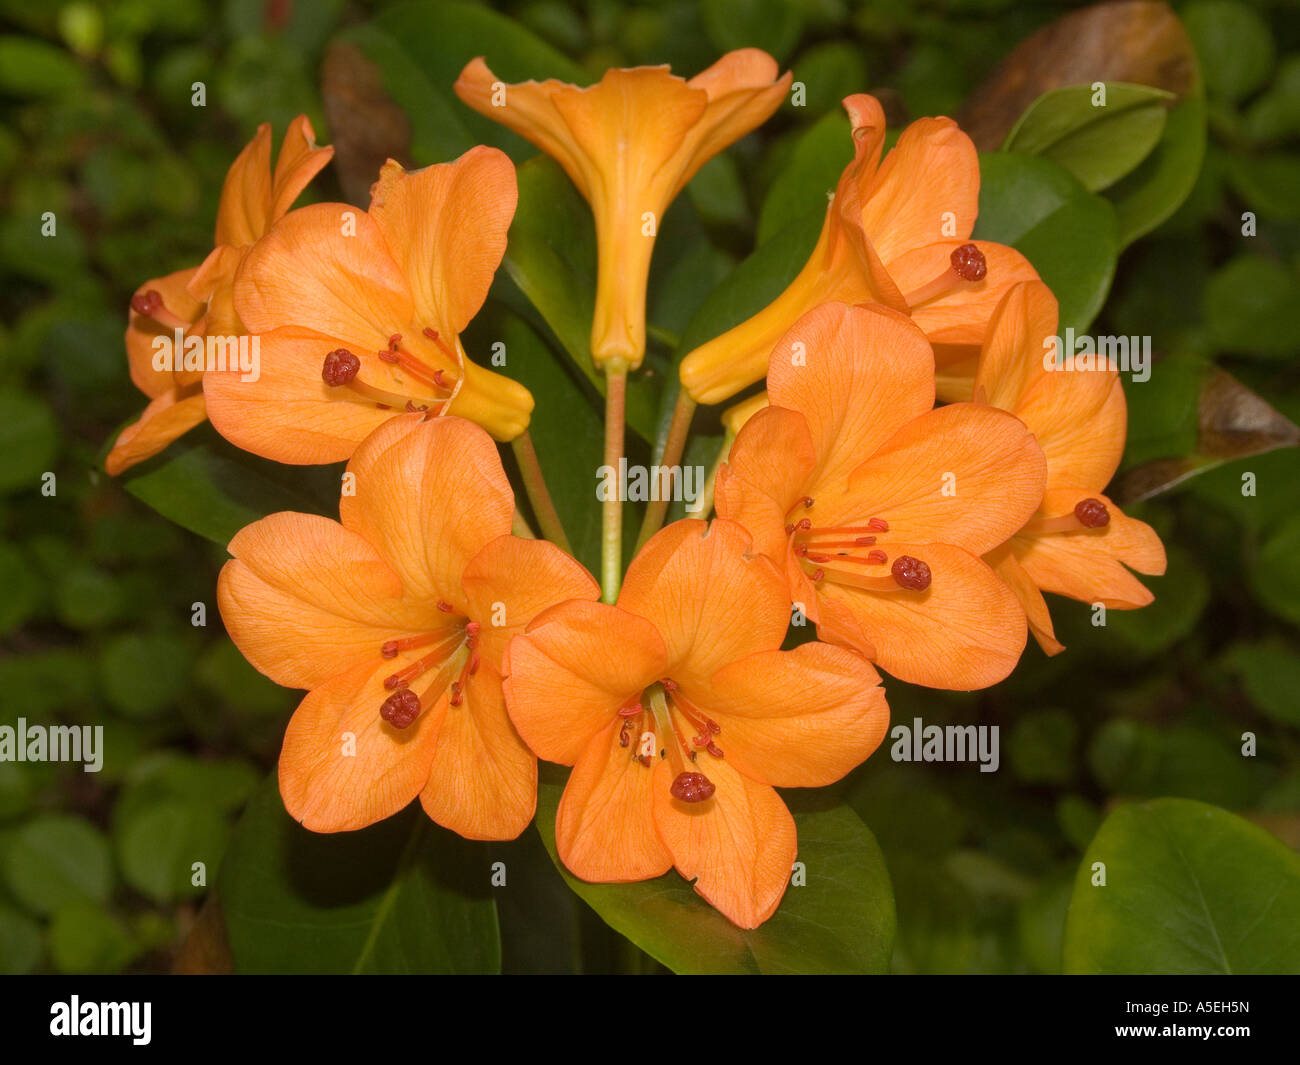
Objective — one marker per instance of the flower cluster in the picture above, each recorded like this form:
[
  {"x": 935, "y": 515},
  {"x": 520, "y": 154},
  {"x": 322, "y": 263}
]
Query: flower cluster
[{"x": 442, "y": 652}]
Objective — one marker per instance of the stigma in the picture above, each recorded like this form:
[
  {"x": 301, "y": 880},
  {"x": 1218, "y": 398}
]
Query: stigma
[{"x": 966, "y": 266}]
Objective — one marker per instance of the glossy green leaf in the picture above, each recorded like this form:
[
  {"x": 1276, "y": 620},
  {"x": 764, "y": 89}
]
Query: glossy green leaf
[
  {"x": 87, "y": 939},
  {"x": 27, "y": 440},
  {"x": 1069, "y": 234},
  {"x": 56, "y": 859},
  {"x": 1275, "y": 576},
  {"x": 801, "y": 188},
  {"x": 20, "y": 942},
  {"x": 403, "y": 896},
  {"x": 1250, "y": 306},
  {"x": 213, "y": 489},
  {"x": 1098, "y": 144},
  {"x": 1165, "y": 179},
  {"x": 1189, "y": 888},
  {"x": 159, "y": 847},
  {"x": 841, "y": 920},
  {"x": 1270, "y": 673},
  {"x": 1235, "y": 46},
  {"x": 772, "y": 25}
]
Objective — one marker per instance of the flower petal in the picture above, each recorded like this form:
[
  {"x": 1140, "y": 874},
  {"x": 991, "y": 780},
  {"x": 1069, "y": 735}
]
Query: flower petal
[
  {"x": 483, "y": 781},
  {"x": 342, "y": 766},
  {"x": 298, "y": 162},
  {"x": 578, "y": 663},
  {"x": 857, "y": 375},
  {"x": 604, "y": 829},
  {"x": 965, "y": 631},
  {"x": 1012, "y": 358},
  {"x": 429, "y": 495},
  {"x": 446, "y": 227},
  {"x": 692, "y": 581},
  {"x": 738, "y": 846},
  {"x": 800, "y": 718},
  {"x": 1081, "y": 420},
  {"x": 512, "y": 580},
  {"x": 304, "y": 599},
  {"x": 142, "y": 331},
  {"x": 965, "y": 474},
  {"x": 166, "y": 418},
  {"x": 1013, "y": 575},
  {"x": 244, "y": 211}
]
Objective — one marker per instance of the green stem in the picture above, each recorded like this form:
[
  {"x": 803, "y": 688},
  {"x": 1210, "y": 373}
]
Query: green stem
[
  {"x": 611, "y": 518},
  {"x": 674, "y": 446},
  {"x": 521, "y": 528},
  {"x": 538, "y": 495},
  {"x": 705, "y": 503}
]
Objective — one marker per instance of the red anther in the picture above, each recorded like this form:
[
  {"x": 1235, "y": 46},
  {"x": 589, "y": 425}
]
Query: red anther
[
  {"x": 439, "y": 379},
  {"x": 456, "y": 697},
  {"x": 714, "y": 750},
  {"x": 911, "y": 573},
  {"x": 808, "y": 501},
  {"x": 472, "y": 629},
  {"x": 818, "y": 575},
  {"x": 341, "y": 366},
  {"x": 878, "y": 557},
  {"x": 432, "y": 334},
  {"x": 644, "y": 759},
  {"x": 388, "y": 356},
  {"x": 968, "y": 263},
  {"x": 801, "y": 550},
  {"x": 623, "y": 738},
  {"x": 393, "y": 341},
  {"x": 810, "y": 556},
  {"x": 1092, "y": 513},
  {"x": 390, "y": 649},
  {"x": 473, "y": 663},
  {"x": 692, "y": 787},
  {"x": 803, "y": 525},
  {"x": 669, "y": 684},
  {"x": 878, "y": 524},
  {"x": 445, "y": 607},
  {"x": 630, "y": 711},
  {"x": 864, "y": 541},
  {"x": 146, "y": 302},
  {"x": 396, "y": 680},
  {"x": 401, "y": 708}
]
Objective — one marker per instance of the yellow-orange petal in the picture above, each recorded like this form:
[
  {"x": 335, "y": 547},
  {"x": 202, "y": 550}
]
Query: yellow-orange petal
[
  {"x": 1013, "y": 575},
  {"x": 483, "y": 781},
  {"x": 966, "y": 631},
  {"x": 692, "y": 581},
  {"x": 429, "y": 495},
  {"x": 965, "y": 474},
  {"x": 575, "y": 667},
  {"x": 857, "y": 375},
  {"x": 244, "y": 211},
  {"x": 738, "y": 846},
  {"x": 796, "y": 719},
  {"x": 305, "y": 599},
  {"x": 446, "y": 227},
  {"x": 1080, "y": 418},
  {"x": 326, "y": 268},
  {"x": 143, "y": 333},
  {"x": 926, "y": 189},
  {"x": 287, "y": 413},
  {"x": 299, "y": 161},
  {"x": 604, "y": 828},
  {"x": 167, "y": 417},
  {"x": 342, "y": 767},
  {"x": 1011, "y": 360},
  {"x": 512, "y": 580},
  {"x": 962, "y": 315}
]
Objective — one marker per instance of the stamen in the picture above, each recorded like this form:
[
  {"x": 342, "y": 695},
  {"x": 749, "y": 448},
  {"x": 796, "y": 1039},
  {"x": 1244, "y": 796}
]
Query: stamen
[
  {"x": 966, "y": 266},
  {"x": 1087, "y": 514},
  {"x": 149, "y": 304},
  {"x": 1092, "y": 513},
  {"x": 340, "y": 370},
  {"x": 403, "y": 677}
]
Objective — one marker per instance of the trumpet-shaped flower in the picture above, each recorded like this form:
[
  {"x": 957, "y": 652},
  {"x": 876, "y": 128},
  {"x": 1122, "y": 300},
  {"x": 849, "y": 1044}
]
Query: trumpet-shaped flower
[
  {"x": 897, "y": 233},
  {"x": 880, "y": 507},
  {"x": 198, "y": 302},
  {"x": 396, "y": 618},
  {"x": 630, "y": 144},
  {"x": 680, "y": 714},
  {"x": 359, "y": 315},
  {"x": 1079, "y": 543}
]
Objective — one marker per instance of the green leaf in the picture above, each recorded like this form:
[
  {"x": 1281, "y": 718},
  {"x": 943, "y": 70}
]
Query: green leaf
[
  {"x": 28, "y": 441},
  {"x": 1097, "y": 144},
  {"x": 841, "y": 920},
  {"x": 1250, "y": 305},
  {"x": 20, "y": 942},
  {"x": 1189, "y": 888},
  {"x": 1270, "y": 673},
  {"x": 30, "y": 67},
  {"x": 403, "y": 896},
  {"x": 1267, "y": 184},
  {"x": 1275, "y": 576},
  {"x": 1235, "y": 47},
  {"x": 56, "y": 859},
  {"x": 144, "y": 674},
  {"x": 213, "y": 489},
  {"x": 158, "y": 846},
  {"x": 1069, "y": 234},
  {"x": 87, "y": 939},
  {"x": 772, "y": 25},
  {"x": 800, "y": 189},
  {"x": 441, "y": 36}
]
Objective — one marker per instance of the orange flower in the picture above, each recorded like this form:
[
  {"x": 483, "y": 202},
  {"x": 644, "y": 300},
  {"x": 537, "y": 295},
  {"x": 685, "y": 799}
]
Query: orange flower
[
  {"x": 679, "y": 714},
  {"x": 359, "y": 314},
  {"x": 1079, "y": 542},
  {"x": 896, "y": 233},
  {"x": 878, "y": 506},
  {"x": 199, "y": 301},
  {"x": 630, "y": 144},
  {"x": 396, "y": 619}
]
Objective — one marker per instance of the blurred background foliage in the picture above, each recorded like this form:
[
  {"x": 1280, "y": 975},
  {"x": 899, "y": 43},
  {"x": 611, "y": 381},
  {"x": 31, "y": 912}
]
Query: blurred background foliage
[{"x": 98, "y": 590}]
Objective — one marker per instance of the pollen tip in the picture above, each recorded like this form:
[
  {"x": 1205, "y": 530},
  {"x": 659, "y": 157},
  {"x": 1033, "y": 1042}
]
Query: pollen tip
[
  {"x": 911, "y": 573},
  {"x": 1092, "y": 513},
  {"x": 389, "y": 650},
  {"x": 341, "y": 366},
  {"x": 692, "y": 787},
  {"x": 147, "y": 302},
  {"x": 401, "y": 708}
]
